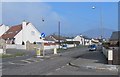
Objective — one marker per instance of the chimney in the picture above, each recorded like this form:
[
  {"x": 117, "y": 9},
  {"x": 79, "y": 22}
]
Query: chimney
[{"x": 23, "y": 24}]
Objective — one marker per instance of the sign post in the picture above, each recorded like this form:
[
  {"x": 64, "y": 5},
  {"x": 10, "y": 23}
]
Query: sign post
[{"x": 43, "y": 36}]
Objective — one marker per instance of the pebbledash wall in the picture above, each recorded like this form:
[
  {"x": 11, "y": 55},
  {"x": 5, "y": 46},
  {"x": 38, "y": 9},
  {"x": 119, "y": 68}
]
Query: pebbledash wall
[{"x": 28, "y": 33}]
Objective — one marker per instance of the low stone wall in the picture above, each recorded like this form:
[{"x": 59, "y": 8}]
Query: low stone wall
[
  {"x": 2, "y": 46},
  {"x": 15, "y": 46},
  {"x": 31, "y": 46}
]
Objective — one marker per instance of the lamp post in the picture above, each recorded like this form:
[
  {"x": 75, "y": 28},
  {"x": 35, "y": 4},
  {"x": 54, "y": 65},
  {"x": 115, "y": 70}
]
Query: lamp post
[{"x": 101, "y": 21}]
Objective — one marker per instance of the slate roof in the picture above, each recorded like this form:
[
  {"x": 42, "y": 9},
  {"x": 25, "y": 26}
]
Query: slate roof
[
  {"x": 54, "y": 37},
  {"x": 115, "y": 36},
  {"x": 48, "y": 38},
  {"x": 57, "y": 37}
]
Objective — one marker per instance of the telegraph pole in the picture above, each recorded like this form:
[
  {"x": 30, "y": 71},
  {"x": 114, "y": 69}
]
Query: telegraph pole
[{"x": 59, "y": 33}]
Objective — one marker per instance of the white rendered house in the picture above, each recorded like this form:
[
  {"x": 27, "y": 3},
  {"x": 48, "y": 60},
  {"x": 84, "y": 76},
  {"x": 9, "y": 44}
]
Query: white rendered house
[
  {"x": 22, "y": 33},
  {"x": 3, "y": 29},
  {"x": 80, "y": 39}
]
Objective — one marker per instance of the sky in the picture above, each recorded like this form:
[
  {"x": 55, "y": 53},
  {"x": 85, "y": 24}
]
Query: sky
[{"x": 74, "y": 17}]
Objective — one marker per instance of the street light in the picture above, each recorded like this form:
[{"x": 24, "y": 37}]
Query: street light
[
  {"x": 93, "y": 7},
  {"x": 101, "y": 21}
]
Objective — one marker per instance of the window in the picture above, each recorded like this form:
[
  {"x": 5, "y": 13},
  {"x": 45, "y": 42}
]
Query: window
[{"x": 33, "y": 32}]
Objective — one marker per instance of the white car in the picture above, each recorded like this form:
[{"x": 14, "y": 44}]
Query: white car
[{"x": 64, "y": 46}]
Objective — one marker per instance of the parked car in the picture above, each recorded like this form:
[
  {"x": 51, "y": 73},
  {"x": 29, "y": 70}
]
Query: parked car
[
  {"x": 92, "y": 47},
  {"x": 64, "y": 46}
]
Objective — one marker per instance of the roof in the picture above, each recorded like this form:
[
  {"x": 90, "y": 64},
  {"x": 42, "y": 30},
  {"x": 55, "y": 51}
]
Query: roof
[
  {"x": 54, "y": 38},
  {"x": 57, "y": 37},
  {"x": 69, "y": 37},
  {"x": 48, "y": 38},
  {"x": 12, "y": 31},
  {"x": 85, "y": 37},
  {"x": 115, "y": 36},
  {"x": 1, "y": 25}
]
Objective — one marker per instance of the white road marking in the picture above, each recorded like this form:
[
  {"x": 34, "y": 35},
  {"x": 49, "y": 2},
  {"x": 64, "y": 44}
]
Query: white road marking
[
  {"x": 67, "y": 64},
  {"x": 62, "y": 66},
  {"x": 49, "y": 73},
  {"x": 57, "y": 69},
  {"x": 16, "y": 63},
  {"x": 32, "y": 60},
  {"x": 11, "y": 63},
  {"x": 26, "y": 61},
  {"x": 42, "y": 59}
]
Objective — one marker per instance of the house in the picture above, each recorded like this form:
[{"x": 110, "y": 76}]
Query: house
[
  {"x": 115, "y": 38},
  {"x": 20, "y": 34},
  {"x": 48, "y": 39},
  {"x": 3, "y": 29},
  {"x": 84, "y": 40},
  {"x": 56, "y": 38},
  {"x": 69, "y": 38},
  {"x": 79, "y": 38},
  {"x": 87, "y": 41}
]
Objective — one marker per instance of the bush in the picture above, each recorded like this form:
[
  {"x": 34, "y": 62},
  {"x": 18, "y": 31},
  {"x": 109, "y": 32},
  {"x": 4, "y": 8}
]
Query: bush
[{"x": 106, "y": 45}]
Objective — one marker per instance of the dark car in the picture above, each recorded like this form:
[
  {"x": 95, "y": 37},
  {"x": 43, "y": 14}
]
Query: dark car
[{"x": 92, "y": 47}]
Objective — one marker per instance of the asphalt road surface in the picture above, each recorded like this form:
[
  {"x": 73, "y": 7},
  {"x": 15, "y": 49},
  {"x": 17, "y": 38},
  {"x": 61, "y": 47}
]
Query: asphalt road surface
[{"x": 51, "y": 65}]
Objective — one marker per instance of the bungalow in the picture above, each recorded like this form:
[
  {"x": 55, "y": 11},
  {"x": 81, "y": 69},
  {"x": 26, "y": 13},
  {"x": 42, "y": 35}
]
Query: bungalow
[
  {"x": 20, "y": 34},
  {"x": 87, "y": 41},
  {"x": 3, "y": 29},
  {"x": 48, "y": 39},
  {"x": 56, "y": 38},
  {"x": 84, "y": 40},
  {"x": 115, "y": 38},
  {"x": 69, "y": 38},
  {"x": 80, "y": 39}
]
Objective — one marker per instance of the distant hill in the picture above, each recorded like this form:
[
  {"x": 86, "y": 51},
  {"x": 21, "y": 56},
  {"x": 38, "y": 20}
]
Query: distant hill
[{"x": 93, "y": 33}]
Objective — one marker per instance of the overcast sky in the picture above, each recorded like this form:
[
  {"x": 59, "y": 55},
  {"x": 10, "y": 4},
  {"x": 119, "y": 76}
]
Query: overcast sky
[{"x": 75, "y": 17}]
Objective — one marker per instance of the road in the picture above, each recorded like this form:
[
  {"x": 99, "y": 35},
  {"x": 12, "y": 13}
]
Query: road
[{"x": 52, "y": 65}]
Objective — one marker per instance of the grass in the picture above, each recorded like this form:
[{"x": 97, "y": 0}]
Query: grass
[{"x": 12, "y": 55}]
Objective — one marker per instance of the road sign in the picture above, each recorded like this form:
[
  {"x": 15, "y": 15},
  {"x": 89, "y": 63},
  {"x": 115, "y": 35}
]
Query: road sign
[{"x": 43, "y": 35}]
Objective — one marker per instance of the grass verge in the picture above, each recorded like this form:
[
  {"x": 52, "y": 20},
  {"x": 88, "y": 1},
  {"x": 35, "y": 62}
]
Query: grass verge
[{"x": 12, "y": 55}]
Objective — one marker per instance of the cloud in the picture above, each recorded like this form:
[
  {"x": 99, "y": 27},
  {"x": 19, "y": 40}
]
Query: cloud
[{"x": 15, "y": 12}]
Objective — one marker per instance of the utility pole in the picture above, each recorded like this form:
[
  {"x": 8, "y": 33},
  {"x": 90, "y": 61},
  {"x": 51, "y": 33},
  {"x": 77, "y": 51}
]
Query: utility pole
[{"x": 59, "y": 33}]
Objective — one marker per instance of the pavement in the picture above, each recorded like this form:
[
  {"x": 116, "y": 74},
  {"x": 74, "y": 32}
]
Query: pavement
[{"x": 93, "y": 60}]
